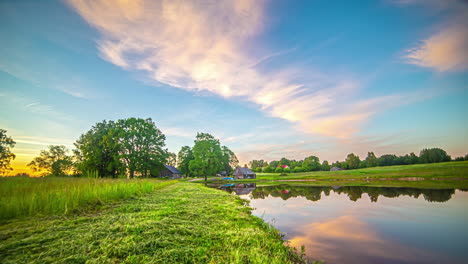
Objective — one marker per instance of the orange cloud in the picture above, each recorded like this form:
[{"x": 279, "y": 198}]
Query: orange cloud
[{"x": 447, "y": 50}]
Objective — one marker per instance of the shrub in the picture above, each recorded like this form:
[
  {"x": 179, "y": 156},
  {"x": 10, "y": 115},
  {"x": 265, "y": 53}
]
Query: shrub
[
  {"x": 279, "y": 170},
  {"x": 286, "y": 170},
  {"x": 298, "y": 169}
]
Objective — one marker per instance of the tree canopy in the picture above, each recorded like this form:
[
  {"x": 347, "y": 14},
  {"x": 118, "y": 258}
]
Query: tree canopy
[
  {"x": 55, "y": 161},
  {"x": 6, "y": 156}
]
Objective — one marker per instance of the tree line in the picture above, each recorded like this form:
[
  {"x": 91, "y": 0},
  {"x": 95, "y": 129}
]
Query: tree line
[
  {"x": 132, "y": 147},
  {"x": 352, "y": 161}
]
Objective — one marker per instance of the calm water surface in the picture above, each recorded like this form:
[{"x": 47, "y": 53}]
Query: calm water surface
[{"x": 366, "y": 224}]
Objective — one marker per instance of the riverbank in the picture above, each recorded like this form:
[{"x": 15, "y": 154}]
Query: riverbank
[
  {"x": 435, "y": 175},
  {"x": 180, "y": 223}
]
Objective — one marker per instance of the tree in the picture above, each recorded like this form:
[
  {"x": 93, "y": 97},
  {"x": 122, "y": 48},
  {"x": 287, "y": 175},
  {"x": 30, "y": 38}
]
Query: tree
[
  {"x": 6, "y": 156},
  {"x": 352, "y": 161},
  {"x": 55, "y": 161},
  {"x": 325, "y": 166},
  {"x": 371, "y": 160},
  {"x": 284, "y": 161},
  {"x": 279, "y": 170},
  {"x": 98, "y": 150},
  {"x": 207, "y": 156},
  {"x": 311, "y": 163},
  {"x": 413, "y": 159},
  {"x": 387, "y": 160},
  {"x": 287, "y": 170},
  {"x": 229, "y": 160},
  {"x": 141, "y": 146},
  {"x": 433, "y": 155},
  {"x": 184, "y": 157},
  {"x": 171, "y": 159},
  {"x": 267, "y": 169},
  {"x": 274, "y": 163}
]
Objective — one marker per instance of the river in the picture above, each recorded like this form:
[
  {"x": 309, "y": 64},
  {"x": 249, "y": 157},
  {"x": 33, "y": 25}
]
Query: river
[{"x": 342, "y": 224}]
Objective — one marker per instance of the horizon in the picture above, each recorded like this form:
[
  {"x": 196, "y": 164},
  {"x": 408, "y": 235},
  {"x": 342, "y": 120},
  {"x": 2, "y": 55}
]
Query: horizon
[{"x": 269, "y": 79}]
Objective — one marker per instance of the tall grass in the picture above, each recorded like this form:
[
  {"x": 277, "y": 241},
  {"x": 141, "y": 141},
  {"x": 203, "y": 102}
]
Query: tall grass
[{"x": 24, "y": 196}]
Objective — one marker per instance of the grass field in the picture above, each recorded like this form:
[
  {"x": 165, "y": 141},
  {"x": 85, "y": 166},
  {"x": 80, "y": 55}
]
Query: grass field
[
  {"x": 435, "y": 175},
  {"x": 24, "y": 196},
  {"x": 180, "y": 223}
]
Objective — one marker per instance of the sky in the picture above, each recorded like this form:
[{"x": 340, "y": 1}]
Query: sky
[{"x": 270, "y": 78}]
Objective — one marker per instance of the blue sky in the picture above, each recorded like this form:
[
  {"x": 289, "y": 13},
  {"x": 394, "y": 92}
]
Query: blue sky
[{"x": 269, "y": 78}]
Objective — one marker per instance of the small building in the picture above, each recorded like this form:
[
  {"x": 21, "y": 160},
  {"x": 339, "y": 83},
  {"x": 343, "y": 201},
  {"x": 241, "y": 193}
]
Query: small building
[
  {"x": 336, "y": 169},
  {"x": 223, "y": 173},
  {"x": 244, "y": 173},
  {"x": 171, "y": 172}
]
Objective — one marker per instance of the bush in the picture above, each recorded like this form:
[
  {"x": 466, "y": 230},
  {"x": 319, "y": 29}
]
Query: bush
[
  {"x": 286, "y": 170},
  {"x": 279, "y": 170},
  {"x": 298, "y": 169},
  {"x": 268, "y": 169}
]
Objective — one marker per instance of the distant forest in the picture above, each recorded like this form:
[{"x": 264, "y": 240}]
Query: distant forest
[{"x": 352, "y": 161}]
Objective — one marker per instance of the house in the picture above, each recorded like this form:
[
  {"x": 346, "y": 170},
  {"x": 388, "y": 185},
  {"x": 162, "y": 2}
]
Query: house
[
  {"x": 171, "y": 172},
  {"x": 283, "y": 166},
  {"x": 244, "y": 188},
  {"x": 336, "y": 169},
  {"x": 244, "y": 173}
]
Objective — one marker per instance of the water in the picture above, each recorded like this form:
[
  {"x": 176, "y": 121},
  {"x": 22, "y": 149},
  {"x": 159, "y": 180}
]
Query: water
[{"x": 366, "y": 224}]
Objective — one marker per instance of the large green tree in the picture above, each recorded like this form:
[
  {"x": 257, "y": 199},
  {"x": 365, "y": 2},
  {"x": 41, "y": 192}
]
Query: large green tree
[
  {"x": 98, "y": 151},
  {"x": 55, "y": 161},
  {"x": 207, "y": 156},
  {"x": 325, "y": 166},
  {"x": 184, "y": 157},
  {"x": 6, "y": 156},
  {"x": 311, "y": 163},
  {"x": 141, "y": 146},
  {"x": 433, "y": 155},
  {"x": 352, "y": 161},
  {"x": 371, "y": 160}
]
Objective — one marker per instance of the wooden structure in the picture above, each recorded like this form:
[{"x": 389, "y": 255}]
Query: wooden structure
[
  {"x": 170, "y": 172},
  {"x": 336, "y": 169},
  {"x": 244, "y": 173}
]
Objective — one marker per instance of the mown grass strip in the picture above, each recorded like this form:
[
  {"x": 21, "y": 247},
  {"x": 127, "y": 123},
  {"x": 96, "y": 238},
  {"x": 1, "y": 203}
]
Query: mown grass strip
[
  {"x": 182, "y": 223},
  {"x": 24, "y": 196}
]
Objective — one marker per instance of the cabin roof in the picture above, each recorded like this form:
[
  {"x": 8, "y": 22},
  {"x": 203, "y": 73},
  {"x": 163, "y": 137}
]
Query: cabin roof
[
  {"x": 172, "y": 169},
  {"x": 244, "y": 170}
]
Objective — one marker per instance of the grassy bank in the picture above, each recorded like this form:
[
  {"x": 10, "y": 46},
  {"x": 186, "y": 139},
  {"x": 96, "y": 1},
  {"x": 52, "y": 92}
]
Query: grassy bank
[
  {"x": 436, "y": 175},
  {"x": 447, "y": 169},
  {"x": 181, "y": 223},
  {"x": 24, "y": 196}
]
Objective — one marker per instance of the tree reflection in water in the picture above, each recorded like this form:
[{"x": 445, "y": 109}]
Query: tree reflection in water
[{"x": 314, "y": 193}]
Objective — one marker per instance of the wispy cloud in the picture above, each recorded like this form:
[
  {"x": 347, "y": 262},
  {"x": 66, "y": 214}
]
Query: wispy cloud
[
  {"x": 202, "y": 47},
  {"x": 447, "y": 48}
]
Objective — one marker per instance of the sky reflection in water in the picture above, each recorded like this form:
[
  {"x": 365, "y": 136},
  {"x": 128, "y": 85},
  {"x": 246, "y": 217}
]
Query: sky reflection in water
[{"x": 368, "y": 224}]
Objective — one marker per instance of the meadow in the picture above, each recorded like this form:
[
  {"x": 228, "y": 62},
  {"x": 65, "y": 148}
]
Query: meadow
[
  {"x": 457, "y": 169},
  {"x": 29, "y": 196},
  {"x": 180, "y": 223}
]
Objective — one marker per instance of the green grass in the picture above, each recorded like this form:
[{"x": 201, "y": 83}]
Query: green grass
[
  {"x": 180, "y": 223},
  {"x": 24, "y": 196}
]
